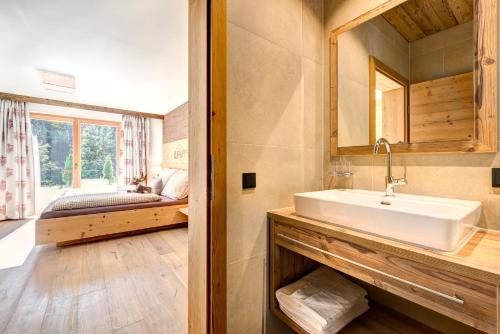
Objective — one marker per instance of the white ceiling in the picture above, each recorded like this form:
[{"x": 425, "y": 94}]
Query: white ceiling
[{"x": 128, "y": 54}]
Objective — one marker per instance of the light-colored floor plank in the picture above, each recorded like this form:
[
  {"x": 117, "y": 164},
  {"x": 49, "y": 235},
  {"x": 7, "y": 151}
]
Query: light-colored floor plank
[
  {"x": 93, "y": 313},
  {"x": 12, "y": 284},
  {"x": 157, "y": 285},
  {"x": 30, "y": 311},
  {"x": 61, "y": 313},
  {"x": 180, "y": 268},
  {"x": 9, "y": 226},
  {"x": 177, "y": 242},
  {"x": 121, "y": 293},
  {"x": 135, "y": 284},
  {"x": 135, "y": 328},
  {"x": 92, "y": 275}
]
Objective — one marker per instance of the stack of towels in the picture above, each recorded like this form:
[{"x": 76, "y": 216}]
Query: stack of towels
[{"x": 322, "y": 302}]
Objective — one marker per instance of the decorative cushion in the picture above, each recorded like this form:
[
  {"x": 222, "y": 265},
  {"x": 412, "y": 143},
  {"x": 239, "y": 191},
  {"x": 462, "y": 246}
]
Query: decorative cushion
[
  {"x": 177, "y": 186},
  {"x": 166, "y": 174},
  {"x": 156, "y": 185}
]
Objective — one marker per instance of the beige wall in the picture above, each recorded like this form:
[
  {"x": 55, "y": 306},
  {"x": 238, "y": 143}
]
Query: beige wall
[
  {"x": 373, "y": 38},
  {"x": 466, "y": 176},
  {"x": 445, "y": 53},
  {"x": 275, "y": 128}
]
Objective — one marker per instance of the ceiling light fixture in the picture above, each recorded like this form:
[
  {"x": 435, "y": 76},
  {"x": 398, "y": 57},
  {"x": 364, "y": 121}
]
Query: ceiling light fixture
[{"x": 58, "y": 82}]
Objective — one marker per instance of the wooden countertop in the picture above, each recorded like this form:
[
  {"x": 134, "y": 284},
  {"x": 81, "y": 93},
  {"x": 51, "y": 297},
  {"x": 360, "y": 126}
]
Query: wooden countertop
[{"x": 479, "y": 258}]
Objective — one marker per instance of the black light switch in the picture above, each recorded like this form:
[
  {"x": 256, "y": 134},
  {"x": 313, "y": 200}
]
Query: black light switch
[
  {"x": 495, "y": 176},
  {"x": 249, "y": 180}
]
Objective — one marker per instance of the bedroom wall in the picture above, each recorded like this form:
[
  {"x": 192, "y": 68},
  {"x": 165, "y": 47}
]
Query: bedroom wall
[{"x": 175, "y": 137}]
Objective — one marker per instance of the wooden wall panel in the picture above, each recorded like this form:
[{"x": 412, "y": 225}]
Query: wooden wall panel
[
  {"x": 393, "y": 115},
  {"x": 442, "y": 109},
  {"x": 175, "y": 138},
  {"x": 175, "y": 124}
]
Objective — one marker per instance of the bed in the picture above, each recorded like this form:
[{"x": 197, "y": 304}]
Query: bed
[{"x": 78, "y": 222}]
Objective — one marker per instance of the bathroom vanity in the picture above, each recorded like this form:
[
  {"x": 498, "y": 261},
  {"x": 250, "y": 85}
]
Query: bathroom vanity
[
  {"x": 389, "y": 92},
  {"x": 462, "y": 285}
]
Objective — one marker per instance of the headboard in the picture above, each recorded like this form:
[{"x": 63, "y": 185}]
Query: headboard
[
  {"x": 175, "y": 154},
  {"x": 175, "y": 138}
]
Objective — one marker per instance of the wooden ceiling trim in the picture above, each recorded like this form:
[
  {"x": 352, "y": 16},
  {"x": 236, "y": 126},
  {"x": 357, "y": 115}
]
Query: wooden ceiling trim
[
  {"x": 444, "y": 12},
  {"x": 426, "y": 10},
  {"x": 461, "y": 10},
  {"x": 416, "y": 19},
  {"x": 75, "y": 105},
  {"x": 404, "y": 24},
  {"x": 418, "y": 14}
]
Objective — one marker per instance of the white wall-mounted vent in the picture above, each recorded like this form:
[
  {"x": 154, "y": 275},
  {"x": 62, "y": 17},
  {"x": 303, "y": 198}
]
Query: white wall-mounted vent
[{"x": 58, "y": 82}]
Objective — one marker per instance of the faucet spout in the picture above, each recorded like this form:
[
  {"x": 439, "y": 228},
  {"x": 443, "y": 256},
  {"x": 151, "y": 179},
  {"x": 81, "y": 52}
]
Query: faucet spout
[{"x": 390, "y": 182}]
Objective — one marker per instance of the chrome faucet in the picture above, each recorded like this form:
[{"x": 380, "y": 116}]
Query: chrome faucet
[{"x": 390, "y": 182}]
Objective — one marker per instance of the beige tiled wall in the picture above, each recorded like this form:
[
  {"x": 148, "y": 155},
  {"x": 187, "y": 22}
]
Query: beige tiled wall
[
  {"x": 448, "y": 52},
  {"x": 466, "y": 176},
  {"x": 275, "y": 128}
]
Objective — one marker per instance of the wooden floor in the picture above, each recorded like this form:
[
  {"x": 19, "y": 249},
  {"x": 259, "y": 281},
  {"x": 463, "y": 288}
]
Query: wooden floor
[
  {"x": 135, "y": 284},
  {"x": 8, "y": 226}
]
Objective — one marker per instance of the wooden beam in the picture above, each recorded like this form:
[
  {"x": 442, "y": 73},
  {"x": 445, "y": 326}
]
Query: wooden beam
[{"x": 58, "y": 103}]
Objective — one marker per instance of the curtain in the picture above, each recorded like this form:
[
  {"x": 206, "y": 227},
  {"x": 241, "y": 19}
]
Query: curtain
[
  {"x": 17, "y": 181},
  {"x": 133, "y": 147}
]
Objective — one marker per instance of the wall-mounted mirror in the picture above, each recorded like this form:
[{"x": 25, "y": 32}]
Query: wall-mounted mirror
[{"x": 421, "y": 74}]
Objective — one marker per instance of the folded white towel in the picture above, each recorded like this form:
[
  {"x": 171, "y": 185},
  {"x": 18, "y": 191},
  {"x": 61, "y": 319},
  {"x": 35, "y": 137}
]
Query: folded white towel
[
  {"x": 358, "y": 309},
  {"x": 322, "y": 299}
]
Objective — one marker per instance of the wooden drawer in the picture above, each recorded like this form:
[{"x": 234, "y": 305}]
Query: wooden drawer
[{"x": 464, "y": 299}]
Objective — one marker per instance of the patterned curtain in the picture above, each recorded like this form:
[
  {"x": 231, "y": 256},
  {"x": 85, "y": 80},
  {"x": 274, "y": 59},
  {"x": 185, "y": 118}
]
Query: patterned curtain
[
  {"x": 17, "y": 182},
  {"x": 133, "y": 147}
]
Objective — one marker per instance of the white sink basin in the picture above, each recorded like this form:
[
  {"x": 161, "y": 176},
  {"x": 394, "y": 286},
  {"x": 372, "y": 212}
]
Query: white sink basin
[{"x": 433, "y": 222}]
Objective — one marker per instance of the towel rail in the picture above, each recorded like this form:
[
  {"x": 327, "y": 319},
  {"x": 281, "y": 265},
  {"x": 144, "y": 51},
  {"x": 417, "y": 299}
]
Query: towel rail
[{"x": 454, "y": 298}]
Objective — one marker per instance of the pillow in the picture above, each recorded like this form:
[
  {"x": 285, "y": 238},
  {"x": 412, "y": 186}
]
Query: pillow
[
  {"x": 166, "y": 174},
  {"x": 156, "y": 184},
  {"x": 177, "y": 186}
]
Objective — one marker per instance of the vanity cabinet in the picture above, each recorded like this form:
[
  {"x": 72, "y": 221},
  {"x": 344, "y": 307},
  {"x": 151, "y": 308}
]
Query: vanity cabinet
[{"x": 462, "y": 286}]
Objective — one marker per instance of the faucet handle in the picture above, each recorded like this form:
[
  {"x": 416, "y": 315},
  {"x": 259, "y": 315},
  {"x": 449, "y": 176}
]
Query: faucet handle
[{"x": 401, "y": 181}]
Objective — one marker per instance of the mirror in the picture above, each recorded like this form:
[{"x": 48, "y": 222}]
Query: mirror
[{"x": 408, "y": 75}]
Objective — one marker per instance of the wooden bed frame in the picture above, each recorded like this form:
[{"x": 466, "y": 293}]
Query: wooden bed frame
[{"x": 85, "y": 228}]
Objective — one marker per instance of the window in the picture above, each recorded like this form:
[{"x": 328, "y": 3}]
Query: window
[{"x": 75, "y": 153}]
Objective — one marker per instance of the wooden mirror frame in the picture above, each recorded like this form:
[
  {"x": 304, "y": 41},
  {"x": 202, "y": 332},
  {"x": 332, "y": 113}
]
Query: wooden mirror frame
[{"x": 485, "y": 87}]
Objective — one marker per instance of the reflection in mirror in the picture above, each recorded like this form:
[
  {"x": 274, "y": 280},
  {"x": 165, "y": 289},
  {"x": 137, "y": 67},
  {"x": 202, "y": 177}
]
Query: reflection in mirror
[
  {"x": 388, "y": 92},
  {"x": 407, "y": 75}
]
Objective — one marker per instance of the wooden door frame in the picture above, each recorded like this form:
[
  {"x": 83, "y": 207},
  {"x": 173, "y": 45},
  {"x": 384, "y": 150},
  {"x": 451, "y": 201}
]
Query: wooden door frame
[
  {"x": 374, "y": 66},
  {"x": 207, "y": 167}
]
